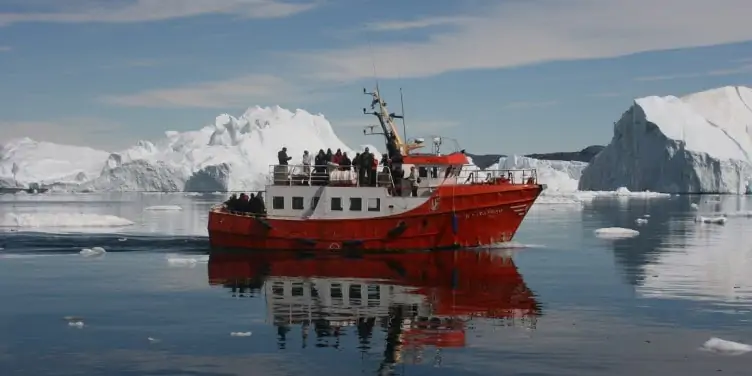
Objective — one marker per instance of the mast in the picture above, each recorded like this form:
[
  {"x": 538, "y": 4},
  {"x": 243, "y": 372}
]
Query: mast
[{"x": 394, "y": 142}]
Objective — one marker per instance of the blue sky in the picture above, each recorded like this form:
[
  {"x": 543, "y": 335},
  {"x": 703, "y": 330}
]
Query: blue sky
[{"x": 508, "y": 76}]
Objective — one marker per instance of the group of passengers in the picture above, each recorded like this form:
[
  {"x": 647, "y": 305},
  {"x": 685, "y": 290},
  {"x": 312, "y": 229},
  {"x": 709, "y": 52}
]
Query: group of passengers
[
  {"x": 364, "y": 164},
  {"x": 253, "y": 204}
]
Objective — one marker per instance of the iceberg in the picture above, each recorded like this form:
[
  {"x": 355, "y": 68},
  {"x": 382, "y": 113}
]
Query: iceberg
[
  {"x": 233, "y": 154},
  {"x": 699, "y": 143}
]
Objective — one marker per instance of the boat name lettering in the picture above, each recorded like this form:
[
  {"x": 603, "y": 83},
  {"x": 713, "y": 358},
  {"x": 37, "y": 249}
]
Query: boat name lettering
[{"x": 484, "y": 213}]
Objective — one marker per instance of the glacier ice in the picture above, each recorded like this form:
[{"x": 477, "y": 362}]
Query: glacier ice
[
  {"x": 232, "y": 154},
  {"x": 699, "y": 143}
]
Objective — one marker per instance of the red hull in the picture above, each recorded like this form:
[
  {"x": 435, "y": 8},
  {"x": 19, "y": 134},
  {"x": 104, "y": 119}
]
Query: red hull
[{"x": 465, "y": 216}]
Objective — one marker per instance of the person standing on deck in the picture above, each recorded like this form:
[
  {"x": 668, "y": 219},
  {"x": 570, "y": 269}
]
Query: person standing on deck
[
  {"x": 364, "y": 172},
  {"x": 414, "y": 180},
  {"x": 282, "y": 157},
  {"x": 306, "y": 162}
]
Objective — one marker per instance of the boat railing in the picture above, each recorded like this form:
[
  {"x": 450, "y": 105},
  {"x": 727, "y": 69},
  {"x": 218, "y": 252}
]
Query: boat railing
[
  {"x": 501, "y": 176},
  {"x": 329, "y": 175}
]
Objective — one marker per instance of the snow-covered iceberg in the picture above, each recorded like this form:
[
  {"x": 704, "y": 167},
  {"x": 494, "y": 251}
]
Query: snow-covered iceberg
[
  {"x": 699, "y": 143},
  {"x": 232, "y": 154}
]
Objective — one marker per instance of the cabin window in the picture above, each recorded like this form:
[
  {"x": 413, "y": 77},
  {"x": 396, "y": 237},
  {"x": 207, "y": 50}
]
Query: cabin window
[
  {"x": 356, "y": 203},
  {"x": 336, "y": 291},
  {"x": 297, "y": 289},
  {"x": 422, "y": 172},
  {"x": 278, "y": 202},
  {"x": 297, "y": 203},
  {"x": 278, "y": 289},
  {"x": 374, "y": 204},
  {"x": 434, "y": 172},
  {"x": 355, "y": 292},
  {"x": 314, "y": 202},
  {"x": 336, "y": 203}
]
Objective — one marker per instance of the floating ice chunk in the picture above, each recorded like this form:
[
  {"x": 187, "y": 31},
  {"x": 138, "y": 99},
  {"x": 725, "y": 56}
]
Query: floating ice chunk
[
  {"x": 92, "y": 252},
  {"x": 153, "y": 340},
  {"x": 515, "y": 245},
  {"x": 646, "y": 216},
  {"x": 240, "y": 334},
  {"x": 694, "y": 206},
  {"x": 62, "y": 220},
  {"x": 711, "y": 220},
  {"x": 122, "y": 239},
  {"x": 616, "y": 233},
  {"x": 76, "y": 324},
  {"x": 641, "y": 221},
  {"x": 164, "y": 208},
  {"x": 177, "y": 260},
  {"x": 73, "y": 318},
  {"x": 723, "y": 346}
]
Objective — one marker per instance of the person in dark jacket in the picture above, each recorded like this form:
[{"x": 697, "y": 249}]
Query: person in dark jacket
[
  {"x": 345, "y": 162},
  {"x": 282, "y": 157},
  {"x": 329, "y": 155},
  {"x": 366, "y": 166}
]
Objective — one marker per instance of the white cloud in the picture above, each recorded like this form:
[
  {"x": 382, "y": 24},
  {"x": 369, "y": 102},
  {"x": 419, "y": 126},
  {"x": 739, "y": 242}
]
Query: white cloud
[
  {"x": 155, "y": 10},
  {"x": 518, "y": 33},
  {"x": 84, "y": 131},
  {"x": 743, "y": 69},
  {"x": 417, "y": 23},
  {"x": 236, "y": 92}
]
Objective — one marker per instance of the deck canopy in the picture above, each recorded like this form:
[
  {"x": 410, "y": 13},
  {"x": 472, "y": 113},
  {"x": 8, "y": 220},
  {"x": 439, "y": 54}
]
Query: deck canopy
[{"x": 453, "y": 159}]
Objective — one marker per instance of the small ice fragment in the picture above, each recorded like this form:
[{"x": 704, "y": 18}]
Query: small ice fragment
[
  {"x": 122, "y": 239},
  {"x": 91, "y": 252},
  {"x": 712, "y": 220},
  {"x": 77, "y": 324},
  {"x": 73, "y": 318},
  {"x": 616, "y": 233},
  {"x": 723, "y": 346},
  {"x": 646, "y": 216},
  {"x": 153, "y": 340},
  {"x": 694, "y": 206},
  {"x": 163, "y": 208},
  {"x": 641, "y": 221},
  {"x": 240, "y": 334}
]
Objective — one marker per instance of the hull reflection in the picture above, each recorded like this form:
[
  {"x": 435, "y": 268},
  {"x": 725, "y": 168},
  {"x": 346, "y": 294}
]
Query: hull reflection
[{"x": 418, "y": 299}]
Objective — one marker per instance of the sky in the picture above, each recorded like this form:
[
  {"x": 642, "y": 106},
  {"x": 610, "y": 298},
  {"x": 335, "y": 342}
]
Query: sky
[{"x": 501, "y": 76}]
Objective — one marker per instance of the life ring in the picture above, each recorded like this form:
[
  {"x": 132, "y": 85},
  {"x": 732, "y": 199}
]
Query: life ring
[{"x": 334, "y": 246}]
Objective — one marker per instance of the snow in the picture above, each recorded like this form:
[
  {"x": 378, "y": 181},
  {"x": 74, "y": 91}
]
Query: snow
[
  {"x": 699, "y": 143},
  {"x": 615, "y": 233},
  {"x": 722, "y": 346},
  {"x": 232, "y": 154},
  {"x": 55, "y": 220}
]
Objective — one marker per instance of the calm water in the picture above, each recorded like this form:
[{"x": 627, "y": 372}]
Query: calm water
[{"x": 564, "y": 303}]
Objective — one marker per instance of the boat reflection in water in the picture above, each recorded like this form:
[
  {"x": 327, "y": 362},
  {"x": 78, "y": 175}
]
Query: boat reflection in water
[{"x": 417, "y": 299}]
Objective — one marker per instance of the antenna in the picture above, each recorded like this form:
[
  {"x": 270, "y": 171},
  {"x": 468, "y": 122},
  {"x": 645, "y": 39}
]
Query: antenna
[{"x": 404, "y": 127}]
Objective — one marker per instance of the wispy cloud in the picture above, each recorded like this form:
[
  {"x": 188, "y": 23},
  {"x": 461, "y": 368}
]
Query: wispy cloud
[
  {"x": 420, "y": 23},
  {"x": 5, "y": 48},
  {"x": 85, "y": 131},
  {"x": 155, "y": 10},
  {"x": 523, "y": 105},
  {"x": 235, "y": 92},
  {"x": 517, "y": 33},
  {"x": 743, "y": 69}
]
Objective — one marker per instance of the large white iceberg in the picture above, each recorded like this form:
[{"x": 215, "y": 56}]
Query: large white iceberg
[
  {"x": 699, "y": 143},
  {"x": 232, "y": 154}
]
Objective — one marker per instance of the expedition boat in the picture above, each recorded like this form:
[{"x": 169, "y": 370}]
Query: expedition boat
[{"x": 450, "y": 205}]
